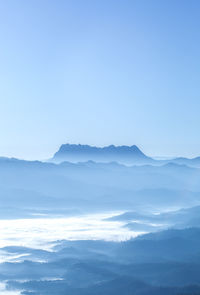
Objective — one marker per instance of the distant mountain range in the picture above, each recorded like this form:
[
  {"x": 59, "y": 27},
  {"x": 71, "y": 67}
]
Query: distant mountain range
[
  {"x": 40, "y": 187},
  {"x": 130, "y": 155}
]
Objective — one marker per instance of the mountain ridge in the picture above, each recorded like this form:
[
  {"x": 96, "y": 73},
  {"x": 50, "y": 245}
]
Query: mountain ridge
[
  {"x": 127, "y": 155},
  {"x": 122, "y": 154}
]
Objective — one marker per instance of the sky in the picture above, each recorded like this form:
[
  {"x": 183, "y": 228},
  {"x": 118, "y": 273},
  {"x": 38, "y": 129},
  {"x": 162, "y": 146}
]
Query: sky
[{"x": 99, "y": 72}]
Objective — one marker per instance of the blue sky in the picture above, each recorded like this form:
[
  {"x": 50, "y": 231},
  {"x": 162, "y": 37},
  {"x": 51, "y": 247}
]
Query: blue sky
[{"x": 99, "y": 72}]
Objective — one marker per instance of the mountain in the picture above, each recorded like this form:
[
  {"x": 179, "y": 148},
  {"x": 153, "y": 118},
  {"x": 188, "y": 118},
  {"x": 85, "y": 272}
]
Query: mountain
[
  {"x": 37, "y": 187},
  {"x": 128, "y": 155},
  {"x": 81, "y": 153},
  {"x": 164, "y": 263},
  {"x": 183, "y": 218},
  {"x": 195, "y": 162}
]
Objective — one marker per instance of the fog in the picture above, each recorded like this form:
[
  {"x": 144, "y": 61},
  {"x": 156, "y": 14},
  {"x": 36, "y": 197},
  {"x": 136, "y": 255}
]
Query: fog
[{"x": 41, "y": 232}]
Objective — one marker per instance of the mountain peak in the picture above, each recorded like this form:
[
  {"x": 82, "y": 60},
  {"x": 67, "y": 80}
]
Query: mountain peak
[{"x": 81, "y": 153}]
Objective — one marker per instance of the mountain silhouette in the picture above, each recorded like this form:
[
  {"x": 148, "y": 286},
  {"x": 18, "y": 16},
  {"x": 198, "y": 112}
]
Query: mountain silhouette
[
  {"x": 81, "y": 153},
  {"x": 127, "y": 155}
]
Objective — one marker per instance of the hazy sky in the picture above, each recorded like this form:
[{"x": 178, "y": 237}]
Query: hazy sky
[{"x": 99, "y": 72}]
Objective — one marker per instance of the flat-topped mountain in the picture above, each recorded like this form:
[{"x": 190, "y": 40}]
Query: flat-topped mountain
[
  {"x": 130, "y": 155},
  {"x": 81, "y": 153}
]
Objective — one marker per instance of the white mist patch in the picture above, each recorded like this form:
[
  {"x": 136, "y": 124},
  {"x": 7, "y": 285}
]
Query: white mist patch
[
  {"x": 41, "y": 232},
  {"x": 3, "y": 290},
  {"x": 9, "y": 257}
]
